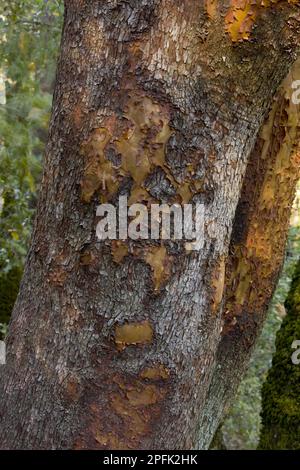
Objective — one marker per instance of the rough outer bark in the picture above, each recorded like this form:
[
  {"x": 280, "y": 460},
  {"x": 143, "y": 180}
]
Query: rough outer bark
[
  {"x": 114, "y": 345},
  {"x": 257, "y": 245},
  {"x": 281, "y": 391}
]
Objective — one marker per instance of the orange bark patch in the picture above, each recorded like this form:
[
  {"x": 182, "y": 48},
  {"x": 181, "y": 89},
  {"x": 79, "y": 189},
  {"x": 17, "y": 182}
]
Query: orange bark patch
[
  {"x": 211, "y": 8},
  {"x": 157, "y": 372},
  {"x": 139, "y": 138},
  {"x": 71, "y": 313},
  {"x": 142, "y": 146},
  {"x": 77, "y": 115},
  {"x": 99, "y": 172},
  {"x": 242, "y": 14},
  {"x": 57, "y": 276},
  {"x": 110, "y": 441},
  {"x": 133, "y": 407},
  {"x": 95, "y": 434},
  {"x": 258, "y": 243},
  {"x": 58, "y": 270},
  {"x": 147, "y": 395},
  {"x": 218, "y": 282},
  {"x": 240, "y": 19},
  {"x": 72, "y": 389},
  {"x": 135, "y": 423},
  {"x": 87, "y": 258},
  {"x": 133, "y": 334},
  {"x": 159, "y": 260},
  {"x": 138, "y": 404},
  {"x": 119, "y": 250}
]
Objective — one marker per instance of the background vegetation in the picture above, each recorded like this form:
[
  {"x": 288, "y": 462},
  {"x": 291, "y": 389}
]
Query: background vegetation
[{"x": 29, "y": 41}]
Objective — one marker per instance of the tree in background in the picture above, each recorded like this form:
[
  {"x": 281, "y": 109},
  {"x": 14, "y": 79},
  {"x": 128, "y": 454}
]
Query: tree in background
[
  {"x": 29, "y": 39},
  {"x": 281, "y": 391},
  {"x": 121, "y": 346}
]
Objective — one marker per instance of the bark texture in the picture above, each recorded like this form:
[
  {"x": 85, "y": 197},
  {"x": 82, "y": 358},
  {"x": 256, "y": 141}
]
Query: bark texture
[
  {"x": 257, "y": 245},
  {"x": 116, "y": 345}
]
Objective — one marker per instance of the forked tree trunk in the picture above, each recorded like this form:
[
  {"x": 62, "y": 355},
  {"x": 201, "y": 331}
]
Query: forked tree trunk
[{"x": 116, "y": 345}]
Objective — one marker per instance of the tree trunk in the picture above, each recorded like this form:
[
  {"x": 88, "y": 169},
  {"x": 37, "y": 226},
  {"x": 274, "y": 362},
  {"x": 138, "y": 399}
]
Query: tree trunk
[
  {"x": 257, "y": 246},
  {"x": 116, "y": 344}
]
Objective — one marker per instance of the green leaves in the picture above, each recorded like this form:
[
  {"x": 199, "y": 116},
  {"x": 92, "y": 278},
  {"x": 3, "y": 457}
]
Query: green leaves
[{"x": 29, "y": 40}]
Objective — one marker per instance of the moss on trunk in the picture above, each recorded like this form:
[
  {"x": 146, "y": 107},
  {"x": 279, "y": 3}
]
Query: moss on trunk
[{"x": 281, "y": 391}]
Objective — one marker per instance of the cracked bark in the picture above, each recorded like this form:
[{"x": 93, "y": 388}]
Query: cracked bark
[
  {"x": 257, "y": 246},
  {"x": 116, "y": 345}
]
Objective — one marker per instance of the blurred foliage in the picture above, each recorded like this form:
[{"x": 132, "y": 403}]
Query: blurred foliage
[{"x": 29, "y": 42}]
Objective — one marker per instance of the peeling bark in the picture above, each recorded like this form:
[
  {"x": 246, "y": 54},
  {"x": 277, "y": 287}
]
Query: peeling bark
[
  {"x": 114, "y": 345},
  {"x": 257, "y": 246}
]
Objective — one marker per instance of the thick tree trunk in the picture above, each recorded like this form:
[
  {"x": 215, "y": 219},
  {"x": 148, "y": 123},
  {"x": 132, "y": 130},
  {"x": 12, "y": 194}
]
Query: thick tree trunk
[{"x": 115, "y": 345}]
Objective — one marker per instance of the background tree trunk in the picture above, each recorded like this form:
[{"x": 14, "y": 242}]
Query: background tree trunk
[
  {"x": 281, "y": 391},
  {"x": 115, "y": 345}
]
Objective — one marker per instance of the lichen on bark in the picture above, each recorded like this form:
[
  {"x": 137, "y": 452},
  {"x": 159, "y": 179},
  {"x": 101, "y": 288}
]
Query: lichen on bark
[{"x": 281, "y": 391}]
